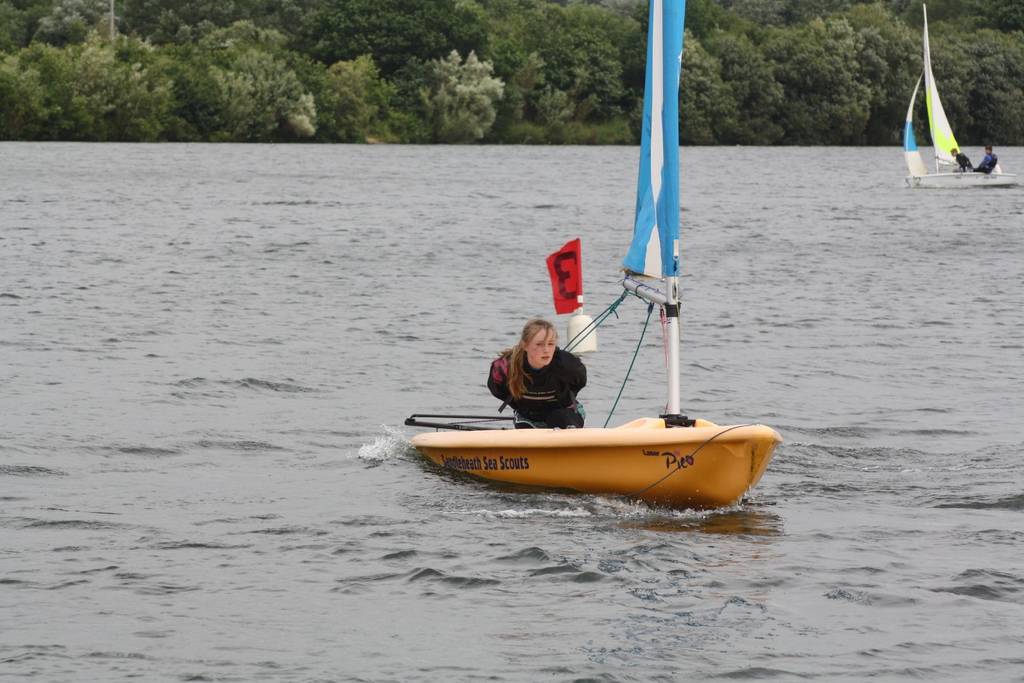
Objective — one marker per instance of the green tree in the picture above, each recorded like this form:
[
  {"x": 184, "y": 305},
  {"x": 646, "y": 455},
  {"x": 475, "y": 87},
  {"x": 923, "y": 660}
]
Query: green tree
[
  {"x": 994, "y": 91},
  {"x": 257, "y": 95},
  {"x": 520, "y": 87},
  {"x": 766, "y": 12},
  {"x": 1005, "y": 15},
  {"x": 11, "y": 27},
  {"x": 195, "y": 115},
  {"x": 758, "y": 98},
  {"x": 703, "y": 17},
  {"x": 802, "y": 11},
  {"x": 261, "y": 99},
  {"x": 66, "y": 117},
  {"x": 939, "y": 11},
  {"x": 129, "y": 101},
  {"x": 19, "y": 20},
  {"x": 755, "y": 72},
  {"x": 170, "y": 21},
  {"x": 791, "y": 12},
  {"x": 182, "y": 21},
  {"x": 70, "y": 21},
  {"x": 240, "y": 83},
  {"x": 461, "y": 103},
  {"x": 582, "y": 51},
  {"x": 816, "y": 66},
  {"x": 888, "y": 65},
  {"x": 356, "y": 101},
  {"x": 393, "y": 32},
  {"x": 705, "y": 103},
  {"x": 585, "y": 51},
  {"x": 23, "y": 110},
  {"x": 554, "y": 107},
  {"x": 89, "y": 94}
]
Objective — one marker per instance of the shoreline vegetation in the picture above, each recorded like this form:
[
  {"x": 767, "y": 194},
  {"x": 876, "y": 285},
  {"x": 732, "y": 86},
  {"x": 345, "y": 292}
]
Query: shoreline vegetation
[{"x": 755, "y": 72}]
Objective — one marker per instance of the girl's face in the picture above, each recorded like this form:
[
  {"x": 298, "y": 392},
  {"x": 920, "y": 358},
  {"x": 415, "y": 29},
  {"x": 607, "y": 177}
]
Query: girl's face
[{"x": 541, "y": 349}]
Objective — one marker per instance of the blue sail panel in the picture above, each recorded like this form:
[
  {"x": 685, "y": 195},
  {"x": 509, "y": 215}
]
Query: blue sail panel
[
  {"x": 656, "y": 227},
  {"x": 909, "y": 142},
  {"x": 915, "y": 164}
]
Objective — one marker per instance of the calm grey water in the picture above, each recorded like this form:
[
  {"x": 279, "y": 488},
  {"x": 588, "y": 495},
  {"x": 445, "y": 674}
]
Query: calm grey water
[{"x": 207, "y": 353}]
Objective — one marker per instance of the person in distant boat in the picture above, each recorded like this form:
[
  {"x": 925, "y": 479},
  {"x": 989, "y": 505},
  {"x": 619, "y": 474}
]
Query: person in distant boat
[
  {"x": 988, "y": 164},
  {"x": 961, "y": 158},
  {"x": 539, "y": 380}
]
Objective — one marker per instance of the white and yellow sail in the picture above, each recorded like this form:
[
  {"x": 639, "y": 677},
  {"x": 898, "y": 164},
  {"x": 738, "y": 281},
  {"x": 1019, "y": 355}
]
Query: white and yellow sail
[{"x": 938, "y": 124}]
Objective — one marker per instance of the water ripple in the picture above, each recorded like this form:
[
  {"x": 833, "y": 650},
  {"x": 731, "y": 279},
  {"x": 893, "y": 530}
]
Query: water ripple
[
  {"x": 30, "y": 471},
  {"x": 987, "y": 584},
  {"x": 1013, "y": 502}
]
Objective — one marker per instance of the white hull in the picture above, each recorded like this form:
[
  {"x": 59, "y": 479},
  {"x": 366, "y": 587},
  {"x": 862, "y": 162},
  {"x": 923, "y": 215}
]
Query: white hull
[{"x": 962, "y": 180}]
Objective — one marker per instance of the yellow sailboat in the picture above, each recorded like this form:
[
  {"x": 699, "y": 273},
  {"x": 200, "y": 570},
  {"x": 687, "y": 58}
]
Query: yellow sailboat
[
  {"x": 668, "y": 460},
  {"x": 703, "y": 466}
]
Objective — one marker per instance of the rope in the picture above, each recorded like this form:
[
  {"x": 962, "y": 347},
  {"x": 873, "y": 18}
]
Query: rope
[
  {"x": 694, "y": 453},
  {"x": 592, "y": 327},
  {"x": 650, "y": 308}
]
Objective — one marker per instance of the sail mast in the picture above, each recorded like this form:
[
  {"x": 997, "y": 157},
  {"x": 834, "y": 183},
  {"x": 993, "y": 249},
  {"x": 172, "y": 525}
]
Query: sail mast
[{"x": 654, "y": 251}]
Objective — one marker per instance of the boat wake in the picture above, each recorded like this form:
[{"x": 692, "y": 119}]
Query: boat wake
[
  {"x": 526, "y": 513},
  {"x": 388, "y": 446}
]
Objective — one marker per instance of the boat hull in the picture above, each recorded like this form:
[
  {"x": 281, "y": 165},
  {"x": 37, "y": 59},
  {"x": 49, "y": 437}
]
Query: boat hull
[
  {"x": 962, "y": 180},
  {"x": 705, "y": 466}
]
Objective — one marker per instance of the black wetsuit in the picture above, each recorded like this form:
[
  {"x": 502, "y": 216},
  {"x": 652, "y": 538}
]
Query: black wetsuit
[
  {"x": 550, "y": 398},
  {"x": 965, "y": 163}
]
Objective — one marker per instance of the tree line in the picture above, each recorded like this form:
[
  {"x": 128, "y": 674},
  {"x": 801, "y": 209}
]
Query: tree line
[{"x": 758, "y": 72}]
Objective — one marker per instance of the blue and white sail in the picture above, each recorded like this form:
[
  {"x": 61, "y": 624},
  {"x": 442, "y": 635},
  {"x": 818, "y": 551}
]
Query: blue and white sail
[
  {"x": 915, "y": 164},
  {"x": 654, "y": 251},
  {"x": 655, "y": 245}
]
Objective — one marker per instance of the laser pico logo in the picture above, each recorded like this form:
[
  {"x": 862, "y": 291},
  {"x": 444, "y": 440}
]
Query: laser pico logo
[{"x": 673, "y": 459}]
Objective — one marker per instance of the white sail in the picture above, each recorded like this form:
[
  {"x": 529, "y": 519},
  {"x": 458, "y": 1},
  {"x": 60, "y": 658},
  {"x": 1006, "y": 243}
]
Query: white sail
[
  {"x": 942, "y": 134},
  {"x": 915, "y": 164}
]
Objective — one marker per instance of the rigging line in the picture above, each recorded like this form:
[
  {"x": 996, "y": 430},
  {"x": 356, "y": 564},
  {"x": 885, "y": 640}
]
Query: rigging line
[
  {"x": 604, "y": 315},
  {"x": 696, "y": 450},
  {"x": 650, "y": 307},
  {"x": 664, "y": 334},
  {"x": 592, "y": 327}
]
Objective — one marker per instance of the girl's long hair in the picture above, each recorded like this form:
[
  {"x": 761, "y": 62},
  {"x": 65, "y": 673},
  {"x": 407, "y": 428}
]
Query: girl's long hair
[{"x": 517, "y": 355}]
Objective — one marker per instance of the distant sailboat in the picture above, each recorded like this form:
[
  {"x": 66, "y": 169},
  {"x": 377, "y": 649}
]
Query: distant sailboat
[{"x": 943, "y": 140}]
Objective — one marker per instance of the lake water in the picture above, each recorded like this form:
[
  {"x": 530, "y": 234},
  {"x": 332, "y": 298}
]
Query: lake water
[{"x": 207, "y": 353}]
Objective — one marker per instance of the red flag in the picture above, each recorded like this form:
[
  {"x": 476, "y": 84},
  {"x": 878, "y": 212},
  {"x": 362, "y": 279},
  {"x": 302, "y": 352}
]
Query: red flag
[{"x": 566, "y": 269}]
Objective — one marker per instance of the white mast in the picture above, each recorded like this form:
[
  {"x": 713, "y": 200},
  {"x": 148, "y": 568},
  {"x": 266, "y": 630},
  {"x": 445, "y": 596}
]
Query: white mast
[
  {"x": 672, "y": 317},
  {"x": 669, "y": 300}
]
